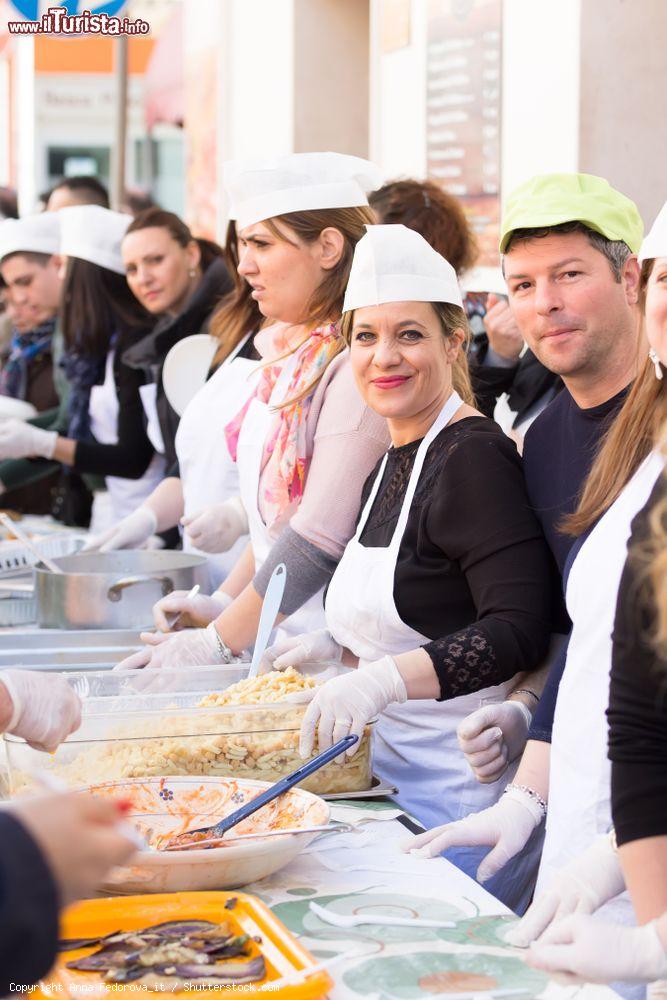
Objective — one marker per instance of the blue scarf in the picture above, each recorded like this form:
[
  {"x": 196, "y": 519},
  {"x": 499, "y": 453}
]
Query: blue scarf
[
  {"x": 25, "y": 347},
  {"x": 83, "y": 372}
]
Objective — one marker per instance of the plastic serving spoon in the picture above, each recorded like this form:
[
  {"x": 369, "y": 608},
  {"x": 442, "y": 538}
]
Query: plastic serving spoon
[
  {"x": 354, "y": 920},
  {"x": 218, "y": 831},
  {"x": 267, "y": 619}
]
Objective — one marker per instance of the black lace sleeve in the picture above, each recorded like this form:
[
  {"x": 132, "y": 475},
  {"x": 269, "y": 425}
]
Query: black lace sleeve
[{"x": 480, "y": 516}]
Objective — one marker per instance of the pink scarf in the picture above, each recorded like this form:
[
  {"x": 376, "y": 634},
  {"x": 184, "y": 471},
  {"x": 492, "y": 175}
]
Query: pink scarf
[{"x": 285, "y": 459}]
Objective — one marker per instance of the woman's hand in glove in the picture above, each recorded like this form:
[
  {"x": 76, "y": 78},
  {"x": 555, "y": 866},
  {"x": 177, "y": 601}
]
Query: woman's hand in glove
[
  {"x": 581, "y": 949},
  {"x": 581, "y": 886},
  {"x": 494, "y": 736},
  {"x": 21, "y": 440},
  {"x": 347, "y": 703},
  {"x": 130, "y": 533},
  {"x": 194, "y": 647},
  {"x": 218, "y": 527},
  {"x": 44, "y": 708},
  {"x": 290, "y": 652},
  {"x": 195, "y": 612},
  {"x": 506, "y": 827}
]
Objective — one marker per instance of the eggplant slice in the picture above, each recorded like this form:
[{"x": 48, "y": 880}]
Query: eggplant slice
[{"x": 168, "y": 955}]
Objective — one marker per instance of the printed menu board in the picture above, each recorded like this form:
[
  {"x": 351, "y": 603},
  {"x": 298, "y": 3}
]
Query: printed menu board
[{"x": 463, "y": 103}]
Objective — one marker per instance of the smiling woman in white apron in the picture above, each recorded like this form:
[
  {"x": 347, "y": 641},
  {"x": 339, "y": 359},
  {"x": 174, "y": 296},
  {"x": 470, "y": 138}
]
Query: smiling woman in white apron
[
  {"x": 443, "y": 593},
  {"x": 304, "y": 441},
  {"x": 107, "y": 429}
]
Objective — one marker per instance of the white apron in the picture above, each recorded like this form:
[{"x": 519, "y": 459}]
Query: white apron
[
  {"x": 415, "y": 744},
  {"x": 148, "y": 395},
  {"x": 208, "y": 474},
  {"x": 254, "y": 432},
  {"x": 580, "y": 771},
  {"x": 126, "y": 494}
]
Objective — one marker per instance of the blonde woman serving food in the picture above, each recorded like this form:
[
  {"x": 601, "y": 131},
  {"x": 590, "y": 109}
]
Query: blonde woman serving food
[
  {"x": 304, "y": 441},
  {"x": 443, "y": 593}
]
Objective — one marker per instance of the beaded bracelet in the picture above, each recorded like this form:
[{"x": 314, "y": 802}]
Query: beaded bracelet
[
  {"x": 531, "y": 793},
  {"x": 527, "y": 691}
]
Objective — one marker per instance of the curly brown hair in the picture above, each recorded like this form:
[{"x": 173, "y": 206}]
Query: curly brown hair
[{"x": 433, "y": 213}]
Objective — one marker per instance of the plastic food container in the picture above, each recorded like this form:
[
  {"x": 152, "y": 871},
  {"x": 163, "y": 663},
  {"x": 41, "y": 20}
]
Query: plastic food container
[{"x": 149, "y": 724}]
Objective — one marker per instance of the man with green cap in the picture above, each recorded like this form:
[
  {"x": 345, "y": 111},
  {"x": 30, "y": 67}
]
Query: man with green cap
[{"x": 569, "y": 246}]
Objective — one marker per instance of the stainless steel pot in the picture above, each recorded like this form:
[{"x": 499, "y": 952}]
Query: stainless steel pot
[{"x": 113, "y": 589}]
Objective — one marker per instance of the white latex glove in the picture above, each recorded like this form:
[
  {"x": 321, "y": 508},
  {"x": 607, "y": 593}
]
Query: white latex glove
[
  {"x": 493, "y": 736},
  {"x": 195, "y": 612},
  {"x": 582, "y": 949},
  {"x": 130, "y": 533},
  {"x": 581, "y": 886},
  {"x": 193, "y": 647},
  {"x": 505, "y": 826},
  {"x": 296, "y": 649},
  {"x": 45, "y": 708},
  {"x": 216, "y": 528},
  {"x": 346, "y": 704},
  {"x": 21, "y": 440}
]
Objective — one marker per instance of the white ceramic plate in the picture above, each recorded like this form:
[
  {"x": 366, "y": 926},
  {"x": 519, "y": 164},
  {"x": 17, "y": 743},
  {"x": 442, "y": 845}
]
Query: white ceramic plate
[
  {"x": 186, "y": 367},
  {"x": 160, "y": 805}
]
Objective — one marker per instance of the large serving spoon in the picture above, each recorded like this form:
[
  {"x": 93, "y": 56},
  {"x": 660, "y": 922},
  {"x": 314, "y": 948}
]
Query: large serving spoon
[
  {"x": 218, "y": 831},
  {"x": 28, "y": 542}
]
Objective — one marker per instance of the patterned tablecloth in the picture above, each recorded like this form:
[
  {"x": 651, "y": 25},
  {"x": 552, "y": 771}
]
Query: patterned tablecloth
[{"x": 365, "y": 872}]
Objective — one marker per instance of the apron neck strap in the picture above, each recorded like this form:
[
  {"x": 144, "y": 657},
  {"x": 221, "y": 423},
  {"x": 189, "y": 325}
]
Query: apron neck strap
[{"x": 452, "y": 404}]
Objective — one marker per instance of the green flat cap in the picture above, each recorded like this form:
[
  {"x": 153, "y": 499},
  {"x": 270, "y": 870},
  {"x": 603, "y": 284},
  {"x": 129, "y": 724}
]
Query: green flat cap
[{"x": 551, "y": 199}]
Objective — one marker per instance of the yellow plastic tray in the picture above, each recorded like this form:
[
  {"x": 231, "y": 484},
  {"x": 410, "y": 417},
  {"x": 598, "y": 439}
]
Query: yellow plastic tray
[{"x": 283, "y": 955}]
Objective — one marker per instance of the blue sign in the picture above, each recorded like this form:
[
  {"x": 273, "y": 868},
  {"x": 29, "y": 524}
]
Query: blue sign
[{"x": 30, "y": 9}]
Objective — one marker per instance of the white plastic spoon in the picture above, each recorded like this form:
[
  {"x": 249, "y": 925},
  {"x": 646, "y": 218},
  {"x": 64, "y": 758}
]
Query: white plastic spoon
[
  {"x": 267, "y": 619},
  {"x": 356, "y": 920}
]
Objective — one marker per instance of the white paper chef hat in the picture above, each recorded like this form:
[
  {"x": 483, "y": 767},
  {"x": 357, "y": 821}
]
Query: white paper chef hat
[
  {"x": 93, "y": 233},
  {"x": 396, "y": 264},
  {"x": 655, "y": 241},
  {"x": 31, "y": 234},
  {"x": 484, "y": 279},
  {"x": 299, "y": 182}
]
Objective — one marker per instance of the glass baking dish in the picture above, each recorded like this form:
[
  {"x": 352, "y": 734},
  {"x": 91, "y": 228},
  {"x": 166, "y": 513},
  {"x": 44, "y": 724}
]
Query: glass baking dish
[{"x": 151, "y": 723}]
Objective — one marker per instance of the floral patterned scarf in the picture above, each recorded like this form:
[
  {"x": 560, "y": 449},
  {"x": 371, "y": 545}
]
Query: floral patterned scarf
[{"x": 285, "y": 459}]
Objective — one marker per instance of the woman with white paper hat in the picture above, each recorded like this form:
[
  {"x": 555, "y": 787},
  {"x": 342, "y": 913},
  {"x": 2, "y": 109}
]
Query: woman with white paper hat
[
  {"x": 106, "y": 433},
  {"x": 304, "y": 441},
  {"x": 443, "y": 593}
]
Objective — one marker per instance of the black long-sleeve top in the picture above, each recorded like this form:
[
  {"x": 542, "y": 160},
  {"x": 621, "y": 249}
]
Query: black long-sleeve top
[
  {"x": 148, "y": 354},
  {"x": 637, "y": 711},
  {"x": 473, "y": 573},
  {"x": 28, "y": 909},
  {"x": 131, "y": 456}
]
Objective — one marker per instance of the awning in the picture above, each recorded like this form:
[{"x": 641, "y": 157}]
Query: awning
[{"x": 164, "y": 99}]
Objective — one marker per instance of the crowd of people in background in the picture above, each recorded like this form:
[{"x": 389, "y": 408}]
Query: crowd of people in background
[{"x": 462, "y": 469}]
